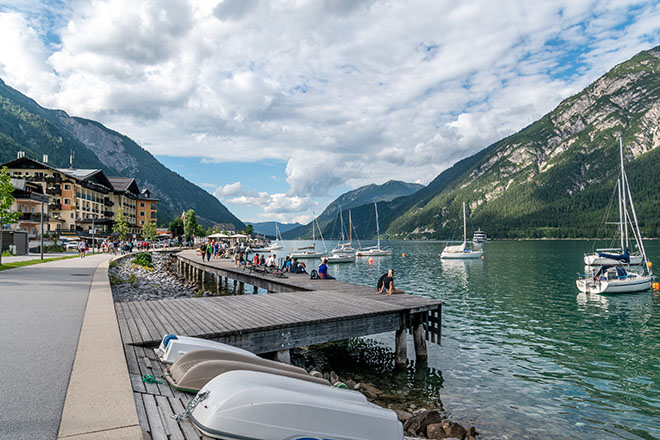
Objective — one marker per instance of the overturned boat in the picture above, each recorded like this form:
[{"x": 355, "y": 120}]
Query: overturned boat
[
  {"x": 251, "y": 405},
  {"x": 172, "y": 347},
  {"x": 195, "y": 369}
]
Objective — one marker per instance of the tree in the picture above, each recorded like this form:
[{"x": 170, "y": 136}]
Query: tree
[
  {"x": 190, "y": 224},
  {"x": 6, "y": 201},
  {"x": 249, "y": 230},
  {"x": 149, "y": 231},
  {"x": 201, "y": 231},
  {"x": 176, "y": 227},
  {"x": 121, "y": 224}
]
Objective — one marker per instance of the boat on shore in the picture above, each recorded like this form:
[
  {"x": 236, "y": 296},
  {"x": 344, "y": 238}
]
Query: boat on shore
[
  {"x": 251, "y": 405},
  {"x": 172, "y": 347}
]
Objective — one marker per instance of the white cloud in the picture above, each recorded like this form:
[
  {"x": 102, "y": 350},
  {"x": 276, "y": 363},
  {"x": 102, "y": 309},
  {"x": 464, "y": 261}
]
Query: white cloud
[
  {"x": 230, "y": 189},
  {"x": 345, "y": 92}
]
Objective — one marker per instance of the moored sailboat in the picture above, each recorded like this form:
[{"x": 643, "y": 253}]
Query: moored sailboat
[
  {"x": 374, "y": 251},
  {"x": 612, "y": 276},
  {"x": 461, "y": 251}
]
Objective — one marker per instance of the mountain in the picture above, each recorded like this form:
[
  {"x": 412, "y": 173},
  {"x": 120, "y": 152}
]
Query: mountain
[
  {"x": 26, "y": 126},
  {"x": 556, "y": 177},
  {"x": 368, "y": 194},
  {"x": 268, "y": 228}
]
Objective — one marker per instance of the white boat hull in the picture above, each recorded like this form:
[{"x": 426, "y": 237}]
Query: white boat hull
[
  {"x": 171, "y": 349},
  {"x": 597, "y": 260},
  {"x": 339, "y": 258},
  {"x": 373, "y": 253},
  {"x": 629, "y": 285},
  {"x": 466, "y": 255},
  {"x": 238, "y": 408},
  {"x": 303, "y": 255}
]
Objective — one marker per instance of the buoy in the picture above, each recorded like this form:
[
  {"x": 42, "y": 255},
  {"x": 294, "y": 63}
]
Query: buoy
[
  {"x": 403, "y": 255},
  {"x": 482, "y": 257},
  {"x": 371, "y": 261},
  {"x": 650, "y": 263},
  {"x": 656, "y": 286}
]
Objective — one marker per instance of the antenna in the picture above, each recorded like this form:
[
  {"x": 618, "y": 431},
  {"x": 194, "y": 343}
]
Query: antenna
[{"x": 71, "y": 160}]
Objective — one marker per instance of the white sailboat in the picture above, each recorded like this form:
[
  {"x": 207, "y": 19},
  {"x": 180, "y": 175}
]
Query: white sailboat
[
  {"x": 310, "y": 251},
  {"x": 277, "y": 244},
  {"x": 461, "y": 251},
  {"x": 612, "y": 277},
  {"x": 374, "y": 251}
]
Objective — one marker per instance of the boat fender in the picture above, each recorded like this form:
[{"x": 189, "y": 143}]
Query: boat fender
[
  {"x": 341, "y": 385},
  {"x": 168, "y": 338}
]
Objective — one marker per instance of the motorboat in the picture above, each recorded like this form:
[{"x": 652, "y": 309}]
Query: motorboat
[
  {"x": 172, "y": 347},
  {"x": 479, "y": 236},
  {"x": 614, "y": 279},
  {"x": 190, "y": 377},
  {"x": 277, "y": 244},
  {"x": 340, "y": 258},
  {"x": 374, "y": 251},
  {"x": 252, "y": 405},
  {"x": 461, "y": 251},
  {"x": 307, "y": 252}
]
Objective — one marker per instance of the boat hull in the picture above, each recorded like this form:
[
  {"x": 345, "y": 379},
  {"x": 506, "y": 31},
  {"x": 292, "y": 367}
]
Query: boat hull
[
  {"x": 636, "y": 284},
  {"x": 237, "y": 407},
  {"x": 171, "y": 349},
  {"x": 373, "y": 253},
  {"x": 304, "y": 255},
  {"x": 461, "y": 255},
  {"x": 338, "y": 258}
]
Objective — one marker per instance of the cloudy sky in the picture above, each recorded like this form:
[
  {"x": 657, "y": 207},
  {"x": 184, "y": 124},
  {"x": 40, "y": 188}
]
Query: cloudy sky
[{"x": 279, "y": 106}]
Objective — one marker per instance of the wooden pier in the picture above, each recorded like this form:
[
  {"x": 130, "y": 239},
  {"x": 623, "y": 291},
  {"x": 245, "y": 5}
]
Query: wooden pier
[{"x": 301, "y": 312}]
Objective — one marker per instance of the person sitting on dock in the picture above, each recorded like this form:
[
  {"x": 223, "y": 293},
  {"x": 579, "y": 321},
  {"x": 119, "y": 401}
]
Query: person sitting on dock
[
  {"x": 386, "y": 283},
  {"x": 288, "y": 265},
  {"x": 323, "y": 270},
  {"x": 256, "y": 260},
  {"x": 299, "y": 267}
]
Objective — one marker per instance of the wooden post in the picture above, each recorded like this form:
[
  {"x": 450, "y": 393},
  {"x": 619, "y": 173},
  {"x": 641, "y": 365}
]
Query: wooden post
[
  {"x": 401, "y": 349},
  {"x": 218, "y": 279},
  {"x": 419, "y": 339},
  {"x": 256, "y": 290},
  {"x": 283, "y": 356},
  {"x": 241, "y": 287}
]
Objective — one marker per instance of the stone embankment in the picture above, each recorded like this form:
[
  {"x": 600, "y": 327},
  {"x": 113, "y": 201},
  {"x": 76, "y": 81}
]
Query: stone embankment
[{"x": 131, "y": 282}]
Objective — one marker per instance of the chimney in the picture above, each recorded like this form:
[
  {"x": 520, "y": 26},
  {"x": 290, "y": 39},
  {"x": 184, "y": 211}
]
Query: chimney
[
  {"x": 45, "y": 158},
  {"x": 20, "y": 154}
]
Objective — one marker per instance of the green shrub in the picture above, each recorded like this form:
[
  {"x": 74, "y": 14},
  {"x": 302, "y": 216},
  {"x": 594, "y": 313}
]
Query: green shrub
[
  {"x": 116, "y": 279},
  {"x": 143, "y": 259}
]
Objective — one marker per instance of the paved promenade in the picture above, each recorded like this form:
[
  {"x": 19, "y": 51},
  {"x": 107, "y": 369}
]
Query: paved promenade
[{"x": 41, "y": 315}]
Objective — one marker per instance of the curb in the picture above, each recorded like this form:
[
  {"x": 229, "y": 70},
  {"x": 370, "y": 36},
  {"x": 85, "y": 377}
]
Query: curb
[{"x": 99, "y": 401}]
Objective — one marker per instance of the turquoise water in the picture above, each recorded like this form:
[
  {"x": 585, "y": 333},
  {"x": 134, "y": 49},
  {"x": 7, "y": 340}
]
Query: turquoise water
[{"x": 524, "y": 354}]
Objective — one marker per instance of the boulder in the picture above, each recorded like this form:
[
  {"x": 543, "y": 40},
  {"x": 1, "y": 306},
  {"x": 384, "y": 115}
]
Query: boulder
[
  {"x": 403, "y": 416},
  {"x": 333, "y": 377},
  {"x": 435, "y": 431},
  {"x": 420, "y": 419},
  {"x": 370, "y": 391},
  {"x": 453, "y": 429}
]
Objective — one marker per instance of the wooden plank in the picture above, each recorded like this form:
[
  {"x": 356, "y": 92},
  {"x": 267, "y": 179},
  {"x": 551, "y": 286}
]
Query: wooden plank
[
  {"x": 171, "y": 426},
  {"x": 142, "y": 413},
  {"x": 142, "y": 330},
  {"x": 156, "y": 425},
  {"x": 147, "y": 318}
]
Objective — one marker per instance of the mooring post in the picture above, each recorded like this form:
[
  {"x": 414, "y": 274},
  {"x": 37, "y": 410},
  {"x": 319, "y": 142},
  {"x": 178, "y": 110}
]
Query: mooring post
[
  {"x": 202, "y": 276},
  {"x": 283, "y": 356},
  {"x": 418, "y": 338},
  {"x": 256, "y": 290},
  {"x": 218, "y": 279},
  {"x": 401, "y": 349},
  {"x": 241, "y": 287}
]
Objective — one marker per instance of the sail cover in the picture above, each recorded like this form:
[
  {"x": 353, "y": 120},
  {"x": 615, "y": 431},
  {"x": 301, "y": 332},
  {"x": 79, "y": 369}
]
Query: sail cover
[{"x": 625, "y": 257}]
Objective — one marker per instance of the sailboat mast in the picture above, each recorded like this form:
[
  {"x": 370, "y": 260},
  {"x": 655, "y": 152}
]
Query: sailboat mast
[
  {"x": 464, "y": 225},
  {"x": 377, "y": 225},
  {"x": 350, "y": 227},
  {"x": 618, "y": 185},
  {"x": 341, "y": 218},
  {"x": 623, "y": 200}
]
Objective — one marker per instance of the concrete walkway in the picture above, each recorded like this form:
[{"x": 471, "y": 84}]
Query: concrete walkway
[
  {"x": 41, "y": 315},
  {"x": 15, "y": 258}
]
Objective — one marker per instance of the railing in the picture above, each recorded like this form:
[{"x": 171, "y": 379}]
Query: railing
[
  {"x": 55, "y": 206},
  {"x": 32, "y": 217},
  {"x": 54, "y": 190},
  {"x": 108, "y": 202},
  {"x": 108, "y": 214}
]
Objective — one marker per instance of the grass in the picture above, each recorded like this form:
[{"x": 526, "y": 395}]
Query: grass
[{"x": 12, "y": 265}]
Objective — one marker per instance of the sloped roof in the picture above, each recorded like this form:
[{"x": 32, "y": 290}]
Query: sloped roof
[
  {"x": 122, "y": 184},
  {"x": 78, "y": 173}
]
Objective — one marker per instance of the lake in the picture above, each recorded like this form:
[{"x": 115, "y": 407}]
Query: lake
[{"x": 524, "y": 354}]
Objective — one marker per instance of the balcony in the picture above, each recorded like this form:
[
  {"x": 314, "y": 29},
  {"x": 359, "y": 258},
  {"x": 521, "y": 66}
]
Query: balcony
[
  {"x": 54, "y": 190},
  {"x": 53, "y": 179},
  {"x": 108, "y": 214},
  {"x": 108, "y": 202},
  {"x": 55, "y": 206},
  {"x": 31, "y": 217}
]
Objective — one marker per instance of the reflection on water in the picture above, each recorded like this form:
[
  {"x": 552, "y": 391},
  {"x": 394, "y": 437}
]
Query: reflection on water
[{"x": 523, "y": 355}]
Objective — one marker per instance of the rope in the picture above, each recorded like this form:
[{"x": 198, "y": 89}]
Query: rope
[{"x": 148, "y": 378}]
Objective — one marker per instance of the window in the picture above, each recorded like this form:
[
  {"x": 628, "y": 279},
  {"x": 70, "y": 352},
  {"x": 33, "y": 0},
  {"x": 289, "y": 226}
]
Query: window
[
  {"x": 141, "y": 222},
  {"x": 141, "y": 213},
  {"x": 73, "y": 227},
  {"x": 72, "y": 215},
  {"x": 153, "y": 206},
  {"x": 67, "y": 201},
  {"x": 153, "y": 214},
  {"x": 67, "y": 187},
  {"x": 141, "y": 204}
]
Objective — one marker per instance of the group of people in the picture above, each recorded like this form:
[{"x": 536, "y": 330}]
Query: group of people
[{"x": 213, "y": 248}]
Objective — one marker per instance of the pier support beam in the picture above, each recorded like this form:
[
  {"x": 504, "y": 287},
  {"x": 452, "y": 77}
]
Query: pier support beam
[
  {"x": 401, "y": 349},
  {"x": 419, "y": 339},
  {"x": 218, "y": 280}
]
